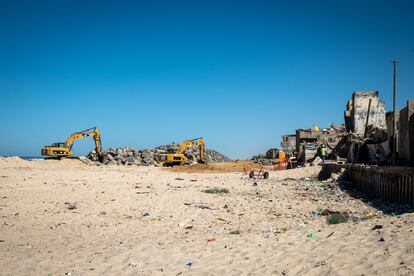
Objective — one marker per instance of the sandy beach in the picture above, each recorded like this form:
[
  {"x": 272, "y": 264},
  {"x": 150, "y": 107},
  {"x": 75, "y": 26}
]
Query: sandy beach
[{"x": 69, "y": 218}]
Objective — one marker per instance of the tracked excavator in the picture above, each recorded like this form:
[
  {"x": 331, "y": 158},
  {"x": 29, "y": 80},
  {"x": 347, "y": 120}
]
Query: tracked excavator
[
  {"x": 64, "y": 149},
  {"x": 177, "y": 157}
]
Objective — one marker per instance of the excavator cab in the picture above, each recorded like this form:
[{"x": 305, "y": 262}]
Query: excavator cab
[
  {"x": 172, "y": 151},
  {"x": 58, "y": 145},
  {"x": 56, "y": 150}
]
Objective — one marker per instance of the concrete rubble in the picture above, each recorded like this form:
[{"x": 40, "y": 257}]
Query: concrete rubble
[
  {"x": 308, "y": 141},
  {"x": 149, "y": 157},
  {"x": 267, "y": 159},
  {"x": 370, "y": 130}
]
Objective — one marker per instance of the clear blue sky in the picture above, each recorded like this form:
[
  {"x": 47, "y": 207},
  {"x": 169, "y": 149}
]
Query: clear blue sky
[{"x": 239, "y": 73}]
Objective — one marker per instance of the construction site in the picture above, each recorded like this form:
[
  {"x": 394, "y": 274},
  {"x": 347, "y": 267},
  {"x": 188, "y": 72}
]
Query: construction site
[
  {"x": 282, "y": 161},
  {"x": 334, "y": 191}
]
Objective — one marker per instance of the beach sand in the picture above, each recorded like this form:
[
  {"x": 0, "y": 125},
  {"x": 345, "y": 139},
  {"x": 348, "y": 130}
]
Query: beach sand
[{"x": 66, "y": 217}]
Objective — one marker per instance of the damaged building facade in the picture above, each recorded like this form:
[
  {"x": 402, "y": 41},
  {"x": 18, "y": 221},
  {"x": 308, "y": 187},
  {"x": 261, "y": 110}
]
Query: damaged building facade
[
  {"x": 366, "y": 137},
  {"x": 370, "y": 131},
  {"x": 366, "y": 125},
  {"x": 364, "y": 109},
  {"x": 365, "y": 148}
]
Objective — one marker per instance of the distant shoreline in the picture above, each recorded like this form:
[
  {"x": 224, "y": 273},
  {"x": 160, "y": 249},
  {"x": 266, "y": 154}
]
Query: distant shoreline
[
  {"x": 25, "y": 157},
  {"x": 29, "y": 158}
]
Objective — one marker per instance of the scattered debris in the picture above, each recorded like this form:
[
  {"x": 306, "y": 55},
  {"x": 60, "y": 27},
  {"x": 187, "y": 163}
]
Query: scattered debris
[
  {"x": 216, "y": 191},
  {"x": 322, "y": 263},
  {"x": 211, "y": 240},
  {"x": 202, "y": 206},
  {"x": 132, "y": 264},
  {"x": 377, "y": 227},
  {"x": 317, "y": 161},
  {"x": 317, "y": 213},
  {"x": 279, "y": 230},
  {"x": 330, "y": 235},
  {"x": 336, "y": 218},
  {"x": 71, "y": 206}
]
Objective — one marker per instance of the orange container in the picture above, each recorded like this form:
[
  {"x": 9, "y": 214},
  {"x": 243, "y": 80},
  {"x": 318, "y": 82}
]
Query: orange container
[{"x": 282, "y": 156}]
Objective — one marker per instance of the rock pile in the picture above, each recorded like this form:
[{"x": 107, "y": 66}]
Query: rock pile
[
  {"x": 215, "y": 156},
  {"x": 148, "y": 157}
]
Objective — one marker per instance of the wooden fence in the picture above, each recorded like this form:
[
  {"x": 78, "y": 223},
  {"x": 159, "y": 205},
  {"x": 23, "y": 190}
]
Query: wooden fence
[{"x": 394, "y": 184}]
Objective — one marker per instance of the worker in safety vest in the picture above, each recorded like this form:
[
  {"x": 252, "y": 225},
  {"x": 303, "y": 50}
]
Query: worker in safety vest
[{"x": 324, "y": 153}]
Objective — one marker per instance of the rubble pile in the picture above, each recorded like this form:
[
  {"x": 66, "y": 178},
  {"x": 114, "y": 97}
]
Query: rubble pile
[
  {"x": 147, "y": 157},
  {"x": 267, "y": 159},
  {"x": 215, "y": 156}
]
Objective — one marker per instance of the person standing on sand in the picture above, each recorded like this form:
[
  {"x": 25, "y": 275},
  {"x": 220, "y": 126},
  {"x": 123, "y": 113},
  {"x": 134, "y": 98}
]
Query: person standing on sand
[{"x": 323, "y": 153}]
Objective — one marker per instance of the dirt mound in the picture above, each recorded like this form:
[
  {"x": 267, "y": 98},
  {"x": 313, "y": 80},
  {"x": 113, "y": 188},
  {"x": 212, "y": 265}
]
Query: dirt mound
[
  {"x": 12, "y": 161},
  {"x": 223, "y": 167}
]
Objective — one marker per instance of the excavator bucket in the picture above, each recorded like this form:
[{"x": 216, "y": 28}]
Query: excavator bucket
[{"x": 102, "y": 158}]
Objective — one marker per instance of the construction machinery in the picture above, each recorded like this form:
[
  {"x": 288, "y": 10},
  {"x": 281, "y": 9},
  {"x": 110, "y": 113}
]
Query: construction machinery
[
  {"x": 64, "y": 149},
  {"x": 177, "y": 157}
]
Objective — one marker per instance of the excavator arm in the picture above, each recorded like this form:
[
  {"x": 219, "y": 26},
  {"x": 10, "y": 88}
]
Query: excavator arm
[
  {"x": 84, "y": 134},
  {"x": 202, "y": 149},
  {"x": 184, "y": 145}
]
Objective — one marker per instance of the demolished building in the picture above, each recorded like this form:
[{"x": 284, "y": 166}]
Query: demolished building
[
  {"x": 309, "y": 141},
  {"x": 305, "y": 143},
  {"x": 365, "y": 138},
  {"x": 366, "y": 125},
  {"x": 364, "y": 109},
  {"x": 288, "y": 144},
  {"x": 371, "y": 134}
]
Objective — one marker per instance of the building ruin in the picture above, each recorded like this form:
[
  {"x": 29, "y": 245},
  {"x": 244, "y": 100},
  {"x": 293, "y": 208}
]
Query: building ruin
[{"x": 356, "y": 112}]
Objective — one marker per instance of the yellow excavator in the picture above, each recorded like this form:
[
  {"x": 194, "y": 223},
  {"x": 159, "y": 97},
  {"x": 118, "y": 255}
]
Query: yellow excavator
[
  {"x": 177, "y": 157},
  {"x": 61, "y": 149}
]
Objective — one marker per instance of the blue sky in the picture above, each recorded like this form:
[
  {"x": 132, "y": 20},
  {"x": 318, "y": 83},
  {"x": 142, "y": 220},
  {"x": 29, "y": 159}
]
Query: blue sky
[{"x": 239, "y": 73}]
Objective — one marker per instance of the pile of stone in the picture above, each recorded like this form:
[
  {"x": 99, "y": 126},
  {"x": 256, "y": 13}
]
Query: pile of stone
[
  {"x": 267, "y": 159},
  {"x": 148, "y": 157},
  {"x": 215, "y": 156}
]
